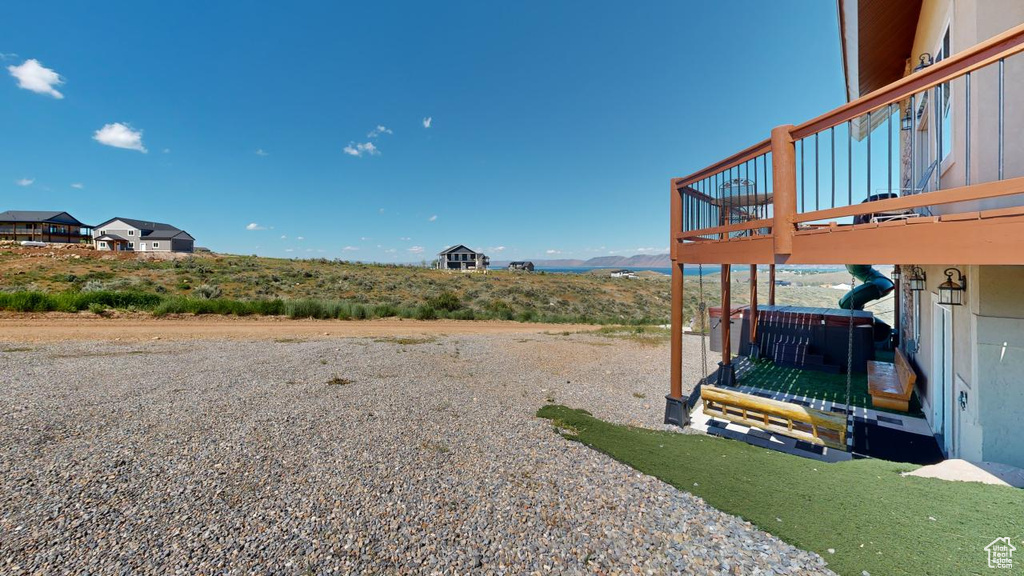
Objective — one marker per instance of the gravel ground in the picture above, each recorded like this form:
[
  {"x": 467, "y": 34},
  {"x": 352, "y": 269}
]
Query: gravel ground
[{"x": 346, "y": 456}]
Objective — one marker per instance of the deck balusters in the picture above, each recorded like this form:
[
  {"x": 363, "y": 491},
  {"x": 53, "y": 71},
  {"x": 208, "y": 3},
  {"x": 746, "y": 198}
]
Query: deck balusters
[
  {"x": 802, "y": 171},
  {"x": 832, "y": 144},
  {"x": 767, "y": 183},
  {"x": 1002, "y": 70},
  {"x": 817, "y": 194},
  {"x": 937, "y": 122},
  {"x": 849, "y": 162},
  {"x": 967, "y": 130},
  {"x": 913, "y": 136},
  {"x": 888, "y": 130},
  {"x": 869, "y": 156}
]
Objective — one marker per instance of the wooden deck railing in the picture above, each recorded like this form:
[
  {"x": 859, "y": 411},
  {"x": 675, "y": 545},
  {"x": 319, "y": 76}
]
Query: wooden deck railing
[{"x": 771, "y": 189}]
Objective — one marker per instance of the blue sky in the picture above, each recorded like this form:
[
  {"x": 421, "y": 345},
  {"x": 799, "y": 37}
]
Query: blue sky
[{"x": 554, "y": 126}]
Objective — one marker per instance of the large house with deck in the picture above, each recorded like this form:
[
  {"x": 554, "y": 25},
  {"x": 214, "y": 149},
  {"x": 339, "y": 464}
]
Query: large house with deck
[
  {"x": 459, "y": 257},
  {"x": 42, "y": 226},
  {"x": 922, "y": 169},
  {"x": 119, "y": 234}
]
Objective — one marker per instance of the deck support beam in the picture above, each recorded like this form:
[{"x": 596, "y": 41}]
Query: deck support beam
[
  {"x": 771, "y": 284},
  {"x": 675, "y": 406}
]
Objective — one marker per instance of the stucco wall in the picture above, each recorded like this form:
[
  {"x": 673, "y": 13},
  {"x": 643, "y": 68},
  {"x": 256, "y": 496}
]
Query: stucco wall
[
  {"x": 1000, "y": 399},
  {"x": 988, "y": 362}
]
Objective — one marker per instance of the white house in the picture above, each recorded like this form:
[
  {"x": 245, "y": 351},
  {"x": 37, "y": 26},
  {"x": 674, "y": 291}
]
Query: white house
[{"x": 119, "y": 234}]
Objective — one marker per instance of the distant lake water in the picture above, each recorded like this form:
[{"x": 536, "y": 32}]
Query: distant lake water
[
  {"x": 581, "y": 270},
  {"x": 687, "y": 270}
]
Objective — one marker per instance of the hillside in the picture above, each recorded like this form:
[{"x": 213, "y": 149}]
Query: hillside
[
  {"x": 384, "y": 290},
  {"x": 325, "y": 288}
]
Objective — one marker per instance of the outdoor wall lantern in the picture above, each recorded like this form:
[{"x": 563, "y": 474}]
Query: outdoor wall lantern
[
  {"x": 951, "y": 292},
  {"x": 917, "y": 279},
  {"x": 924, "y": 61},
  {"x": 907, "y": 122}
]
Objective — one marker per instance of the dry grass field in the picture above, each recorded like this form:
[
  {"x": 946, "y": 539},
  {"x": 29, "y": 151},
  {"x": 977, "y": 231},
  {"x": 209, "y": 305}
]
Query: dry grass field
[{"x": 320, "y": 288}]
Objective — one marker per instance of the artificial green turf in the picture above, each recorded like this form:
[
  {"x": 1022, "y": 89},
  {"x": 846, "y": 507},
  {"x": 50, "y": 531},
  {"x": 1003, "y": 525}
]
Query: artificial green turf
[
  {"x": 875, "y": 520},
  {"x": 814, "y": 384}
]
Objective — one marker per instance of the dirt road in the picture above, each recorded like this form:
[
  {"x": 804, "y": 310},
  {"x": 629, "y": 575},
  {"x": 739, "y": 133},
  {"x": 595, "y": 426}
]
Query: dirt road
[{"x": 55, "y": 327}]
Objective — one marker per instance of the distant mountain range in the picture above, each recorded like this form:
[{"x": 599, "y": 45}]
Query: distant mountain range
[{"x": 637, "y": 261}]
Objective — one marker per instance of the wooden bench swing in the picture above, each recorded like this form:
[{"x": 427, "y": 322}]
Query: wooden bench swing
[
  {"x": 793, "y": 420},
  {"x": 891, "y": 385}
]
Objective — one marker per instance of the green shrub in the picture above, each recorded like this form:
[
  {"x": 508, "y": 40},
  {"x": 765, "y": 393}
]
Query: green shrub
[
  {"x": 447, "y": 301},
  {"x": 207, "y": 291},
  {"x": 425, "y": 312}
]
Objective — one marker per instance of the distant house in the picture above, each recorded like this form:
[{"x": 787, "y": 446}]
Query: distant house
[
  {"x": 461, "y": 258},
  {"x": 142, "y": 236},
  {"x": 521, "y": 265},
  {"x": 622, "y": 274},
  {"x": 42, "y": 226}
]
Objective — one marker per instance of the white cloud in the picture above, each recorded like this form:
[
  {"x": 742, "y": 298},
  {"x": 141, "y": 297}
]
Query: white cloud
[
  {"x": 381, "y": 211},
  {"x": 390, "y": 251},
  {"x": 350, "y": 248},
  {"x": 364, "y": 238},
  {"x": 432, "y": 218},
  {"x": 427, "y": 121},
  {"x": 378, "y": 131},
  {"x": 289, "y": 250},
  {"x": 497, "y": 249},
  {"x": 166, "y": 150},
  {"x": 358, "y": 149},
  {"x": 261, "y": 152},
  {"x": 300, "y": 238},
  {"x": 120, "y": 135},
  {"x": 254, "y": 226},
  {"x": 553, "y": 252},
  {"x": 405, "y": 238},
  {"x": 78, "y": 185},
  {"x": 415, "y": 249},
  {"x": 34, "y": 76},
  {"x": 8, "y": 56},
  {"x": 24, "y": 181},
  {"x": 283, "y": 237}
]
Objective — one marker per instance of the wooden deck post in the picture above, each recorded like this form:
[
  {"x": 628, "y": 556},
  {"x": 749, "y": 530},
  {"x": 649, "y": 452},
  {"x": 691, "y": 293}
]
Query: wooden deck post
[
  {"x": 675, "y": 406},
  {"x": 771, "y": 284},
  {"x": 676, "y": 373},
  {"x": 753, "y": 311},
  {"x": 726, "y": 313},
  {"x": 783, "y": 188}
]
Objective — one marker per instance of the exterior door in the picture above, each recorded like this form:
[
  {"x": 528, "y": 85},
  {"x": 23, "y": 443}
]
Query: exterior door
[
  {"x": 142, "y": 246},
  {"x": 942, "y": 374}
]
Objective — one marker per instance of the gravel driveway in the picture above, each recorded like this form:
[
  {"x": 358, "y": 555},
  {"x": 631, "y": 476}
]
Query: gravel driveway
[{"x": 346, "y": 456}]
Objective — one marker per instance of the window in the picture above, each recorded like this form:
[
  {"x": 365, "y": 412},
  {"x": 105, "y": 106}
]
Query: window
[
  {"x": 156, "y": 244},
  {"x": 131, "y": 245},
  {"x": 945, "y": 103},
  {"x": 131, "y": 232},
  {"x": 103, "y": 232},
  {"x": 103, "y": 244}
]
